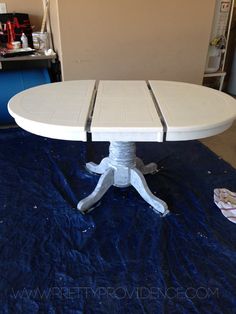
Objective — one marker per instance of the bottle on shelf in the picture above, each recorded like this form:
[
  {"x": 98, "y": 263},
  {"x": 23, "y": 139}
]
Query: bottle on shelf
[{"x": 24, "y": 41}]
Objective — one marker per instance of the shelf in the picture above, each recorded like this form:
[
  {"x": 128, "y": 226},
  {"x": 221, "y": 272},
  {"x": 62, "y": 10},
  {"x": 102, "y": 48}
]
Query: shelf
[
  {"x": 32, "y": 57},
  {"x": 208, "y": 76},
  {"x": 221, "y": 73},
  {"x": 218, "y": 73}
]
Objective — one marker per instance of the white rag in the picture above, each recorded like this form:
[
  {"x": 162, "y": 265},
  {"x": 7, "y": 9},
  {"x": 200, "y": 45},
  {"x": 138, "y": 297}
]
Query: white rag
[{"x": 226, "y": 201}]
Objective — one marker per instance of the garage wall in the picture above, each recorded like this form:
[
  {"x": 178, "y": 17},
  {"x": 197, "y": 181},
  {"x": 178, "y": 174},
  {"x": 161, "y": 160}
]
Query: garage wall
[{"x": 133, "y": 39}]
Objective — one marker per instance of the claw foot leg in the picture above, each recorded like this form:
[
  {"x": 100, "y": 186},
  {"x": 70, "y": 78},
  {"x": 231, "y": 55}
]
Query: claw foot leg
[
  {"x": 145, "y": 169},
  {"x": 100, "y": 168},
  {"x": 104, "y": 183},
  {"x": 139, "y": 183}
]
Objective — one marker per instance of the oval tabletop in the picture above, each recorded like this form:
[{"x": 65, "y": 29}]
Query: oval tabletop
[{"x": 123, "y": 110}]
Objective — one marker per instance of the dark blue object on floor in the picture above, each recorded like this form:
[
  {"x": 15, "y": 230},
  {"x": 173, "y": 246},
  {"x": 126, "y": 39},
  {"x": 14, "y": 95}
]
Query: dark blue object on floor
[
  {"x": 122, "y": 257},
  {"x": 13, "y": 82}
]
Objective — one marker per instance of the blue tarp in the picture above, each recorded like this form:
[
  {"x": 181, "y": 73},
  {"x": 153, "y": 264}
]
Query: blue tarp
[
  {"x": 15, "y": 81},
  {"x": 122, "y": 257}
]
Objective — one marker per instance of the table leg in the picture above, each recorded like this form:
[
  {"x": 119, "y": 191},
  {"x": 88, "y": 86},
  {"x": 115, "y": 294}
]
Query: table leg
[
  {"x": 122, "y": 168},
  {"x": 104, "y": 183},
  {"x": 146, "y": 169},
  {"x": 139, "y": 183},
  {"x": 99, "y": 169}
]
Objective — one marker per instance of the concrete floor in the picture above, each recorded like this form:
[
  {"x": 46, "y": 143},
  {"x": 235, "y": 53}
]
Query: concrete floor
[{"x": 224, "y": 145}]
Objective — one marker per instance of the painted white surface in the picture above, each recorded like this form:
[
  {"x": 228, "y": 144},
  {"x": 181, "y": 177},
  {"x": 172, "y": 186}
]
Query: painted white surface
[
  {"x": 193, "y": 111},
  {"x": 125, "y": 111},
  {"x": 57, "y": 110}
]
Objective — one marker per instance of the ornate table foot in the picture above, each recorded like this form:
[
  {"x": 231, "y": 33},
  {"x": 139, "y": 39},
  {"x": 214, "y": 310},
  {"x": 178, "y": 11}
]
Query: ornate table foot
[
  {"x": 146, "y": 169},
  {"x": 104, "y": 183},
  {"x": 99, "y": 169},
  {"x": 122, "y": 168},
  {"x": 139, "y": 183}
]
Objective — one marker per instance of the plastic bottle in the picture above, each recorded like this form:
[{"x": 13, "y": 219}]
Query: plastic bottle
[{"x": 24, "y": 41}]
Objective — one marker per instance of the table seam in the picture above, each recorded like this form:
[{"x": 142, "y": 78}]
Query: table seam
[
  {"x": 90, "y": 112},
  {"x": 158, "y": 109}
]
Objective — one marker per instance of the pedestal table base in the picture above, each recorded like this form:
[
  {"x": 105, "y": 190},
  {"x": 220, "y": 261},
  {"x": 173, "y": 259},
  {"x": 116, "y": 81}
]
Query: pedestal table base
[{"x": 122, "y": 168}]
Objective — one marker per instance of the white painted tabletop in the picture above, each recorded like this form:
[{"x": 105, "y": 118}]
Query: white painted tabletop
[
  {"x": 123, "y": 110},
  {"x": 57, "y": 110},
  {"x": 192, "y": 111}
]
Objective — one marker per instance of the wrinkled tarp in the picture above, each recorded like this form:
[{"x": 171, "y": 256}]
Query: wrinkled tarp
[{"x": 122, "y": 257}]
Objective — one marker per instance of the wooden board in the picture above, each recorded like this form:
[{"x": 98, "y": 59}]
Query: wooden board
[
  {"x": 125, "y": 111},
  {"x": 193, "y": 111},
  {"x": 57, "y": 110}
]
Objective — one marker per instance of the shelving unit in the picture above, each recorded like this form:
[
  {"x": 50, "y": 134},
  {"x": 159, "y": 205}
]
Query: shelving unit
[
  {"x": 31, "y": 58},
  {"x": 220, "y": 74}
]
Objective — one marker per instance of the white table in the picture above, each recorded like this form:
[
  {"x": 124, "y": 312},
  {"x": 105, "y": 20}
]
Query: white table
[{"x": 123, "y": 112}]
